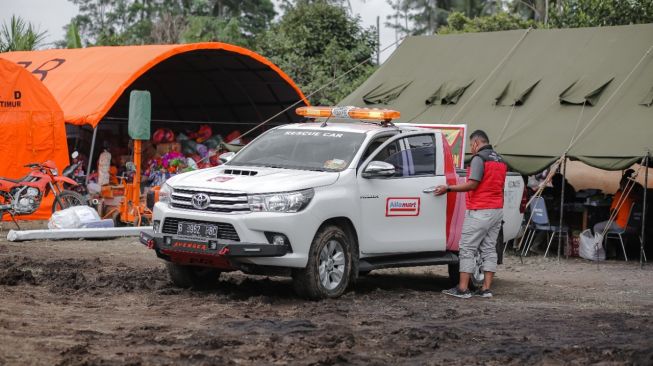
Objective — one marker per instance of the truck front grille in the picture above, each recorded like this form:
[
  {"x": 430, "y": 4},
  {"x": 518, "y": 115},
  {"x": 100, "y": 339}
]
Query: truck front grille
[
  {"x": 223, "y": 202},
  {"x": 225, "y": 231}
]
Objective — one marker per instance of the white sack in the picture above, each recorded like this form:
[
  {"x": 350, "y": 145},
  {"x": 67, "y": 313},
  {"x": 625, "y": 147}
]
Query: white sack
[
  {"x": 73, "y": 218},
  {"x": 591, "y": 246}
]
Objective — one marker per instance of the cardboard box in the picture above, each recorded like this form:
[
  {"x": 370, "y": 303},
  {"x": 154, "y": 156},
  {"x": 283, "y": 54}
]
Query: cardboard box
[{"x": 166, "y": 147}]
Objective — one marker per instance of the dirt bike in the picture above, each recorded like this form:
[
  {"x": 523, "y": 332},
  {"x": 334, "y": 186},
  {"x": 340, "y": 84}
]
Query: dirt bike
[
  {"x": 71, "y": 172},
  {"x": 24, "y": 196}
]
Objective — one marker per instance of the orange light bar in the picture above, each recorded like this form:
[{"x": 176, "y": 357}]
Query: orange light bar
[
  {"x": 349, "y": 112},
  {"x": 314, "y": 111}
]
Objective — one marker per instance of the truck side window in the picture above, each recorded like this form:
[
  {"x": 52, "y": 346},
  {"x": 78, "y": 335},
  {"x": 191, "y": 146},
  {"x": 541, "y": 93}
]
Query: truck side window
[
  {"x": 373, "y": 145},
  {"x": 412, "y": 156},
  {"x": 422, "y": 150}
]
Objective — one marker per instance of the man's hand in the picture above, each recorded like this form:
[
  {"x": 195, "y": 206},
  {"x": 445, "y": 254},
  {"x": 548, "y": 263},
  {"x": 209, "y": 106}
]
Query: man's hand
[{"x": 440, "y": 190}]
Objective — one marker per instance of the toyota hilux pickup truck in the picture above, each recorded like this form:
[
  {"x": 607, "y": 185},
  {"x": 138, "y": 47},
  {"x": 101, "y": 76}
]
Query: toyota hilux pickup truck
[{"x": 323, "y": 202}]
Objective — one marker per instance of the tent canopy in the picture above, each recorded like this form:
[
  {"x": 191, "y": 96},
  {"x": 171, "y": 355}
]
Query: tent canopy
[
  {"x": 32, "y": 126},
  {"x": 536, "y": 93},
  {"x": 212, "y": 82}
]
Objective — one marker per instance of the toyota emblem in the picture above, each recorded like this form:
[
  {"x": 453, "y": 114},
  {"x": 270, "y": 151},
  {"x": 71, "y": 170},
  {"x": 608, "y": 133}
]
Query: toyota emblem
[{"x": 200, "y": 201}]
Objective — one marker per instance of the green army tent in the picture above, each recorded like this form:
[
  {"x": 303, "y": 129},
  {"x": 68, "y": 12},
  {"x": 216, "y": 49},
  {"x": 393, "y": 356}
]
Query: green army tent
[{"x": 538, "y": 93}]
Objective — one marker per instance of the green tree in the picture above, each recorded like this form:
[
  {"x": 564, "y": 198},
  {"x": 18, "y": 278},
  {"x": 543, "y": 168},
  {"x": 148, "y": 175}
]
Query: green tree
[
  {"x": 116, "y": 22},
  {"x": 316, "y": 42},
  {"x": 417, "y": 17},
  {"x": 593, "y": 13},
  {"x": 459, "y": 23},
  {"x": 19, "y": 35},
  {"x": 207, "y": 29},
  {"x": 73, "y": 39}
]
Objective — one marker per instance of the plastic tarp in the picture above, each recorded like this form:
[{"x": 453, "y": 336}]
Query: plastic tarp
[
  {"x": 212, "y": 81},
  {"x": 32, "y": 127},
  {"x": 536, "y": 93}
]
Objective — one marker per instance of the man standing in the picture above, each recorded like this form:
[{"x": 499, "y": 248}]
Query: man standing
[{"x": 484, "y": 186}]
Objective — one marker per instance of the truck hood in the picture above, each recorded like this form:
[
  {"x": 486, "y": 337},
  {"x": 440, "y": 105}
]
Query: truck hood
[{"x": 253, "y": 179}]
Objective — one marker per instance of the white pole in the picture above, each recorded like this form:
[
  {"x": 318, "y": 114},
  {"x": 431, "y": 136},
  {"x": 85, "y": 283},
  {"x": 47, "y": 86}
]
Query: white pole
[{"x": 90, "y": 156}]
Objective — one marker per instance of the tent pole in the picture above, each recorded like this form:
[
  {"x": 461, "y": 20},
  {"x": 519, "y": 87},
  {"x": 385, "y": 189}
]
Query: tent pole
[
  {"x": 562, "y": 202},
  {"x": 90, "y": 155},
  {"x": 643, "y": 238}
]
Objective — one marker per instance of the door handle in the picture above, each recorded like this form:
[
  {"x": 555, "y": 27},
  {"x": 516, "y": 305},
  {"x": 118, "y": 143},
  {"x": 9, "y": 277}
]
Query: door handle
[{"x": 429, "y": 190}]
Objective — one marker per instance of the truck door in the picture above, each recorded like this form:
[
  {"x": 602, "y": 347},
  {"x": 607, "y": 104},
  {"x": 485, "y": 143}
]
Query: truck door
[{"x": 400, "y": 213}]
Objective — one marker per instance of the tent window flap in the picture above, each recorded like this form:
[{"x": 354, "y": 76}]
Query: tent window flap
[
  {"x": 583, "y": 92},
  {"x": 648, "y": 99},
  {"x": 448, "y": 93},
  {"x": 513, "y": 95},
  {"x": 385, "y": 94},
  {"x": 437, "y": 96}
]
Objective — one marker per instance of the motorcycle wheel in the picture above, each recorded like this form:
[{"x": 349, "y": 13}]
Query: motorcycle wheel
[{"x": 67, "y": 199}]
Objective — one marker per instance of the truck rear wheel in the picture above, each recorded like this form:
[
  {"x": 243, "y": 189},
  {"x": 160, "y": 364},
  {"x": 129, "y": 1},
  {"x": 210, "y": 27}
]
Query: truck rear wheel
[
  {"x": 190, "y": 276},
  {"x": 329, "y": 267}
]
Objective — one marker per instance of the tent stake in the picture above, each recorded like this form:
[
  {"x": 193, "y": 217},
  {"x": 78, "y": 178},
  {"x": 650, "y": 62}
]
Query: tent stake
[
  {"x": 562, "y": 202},
  {"x": 643, "y": 237},
  {"x": 90, "y": 156}
]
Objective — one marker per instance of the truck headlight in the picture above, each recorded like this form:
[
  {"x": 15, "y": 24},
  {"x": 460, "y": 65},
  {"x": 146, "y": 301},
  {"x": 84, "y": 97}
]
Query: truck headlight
[
  {"x": 165, "y": 193},
  {"x": 281, "y": 202}
]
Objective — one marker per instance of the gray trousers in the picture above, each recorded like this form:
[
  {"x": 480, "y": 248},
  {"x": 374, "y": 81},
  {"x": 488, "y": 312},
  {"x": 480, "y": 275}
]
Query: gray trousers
[
  {"x": 480, "y": 231},
  {"x": 600, "y": 226}
]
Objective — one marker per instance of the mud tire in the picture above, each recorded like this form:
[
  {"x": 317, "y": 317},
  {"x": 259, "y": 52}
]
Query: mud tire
[
  {"x": 306, "y": 281},
  {"x": 69, "y": 199},
  {"x": 192, "y": 277}
]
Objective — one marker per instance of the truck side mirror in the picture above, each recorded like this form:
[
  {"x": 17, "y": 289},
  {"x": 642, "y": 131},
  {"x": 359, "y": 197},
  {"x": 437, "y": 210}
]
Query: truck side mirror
[
  {"x": 378, "y": 169},
  {"x": 226, "y": 157}
]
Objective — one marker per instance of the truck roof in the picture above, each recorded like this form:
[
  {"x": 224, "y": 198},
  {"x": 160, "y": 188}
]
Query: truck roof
[{"x": 344, "y": 125}]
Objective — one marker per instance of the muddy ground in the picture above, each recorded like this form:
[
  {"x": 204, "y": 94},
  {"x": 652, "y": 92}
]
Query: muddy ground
[{"x": 110, "y": 303}]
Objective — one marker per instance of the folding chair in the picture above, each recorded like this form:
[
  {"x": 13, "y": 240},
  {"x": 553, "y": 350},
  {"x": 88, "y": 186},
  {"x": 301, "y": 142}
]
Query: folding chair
[
  {"x": 540, "y": 222},
  {"x": 631, "y": 228}
]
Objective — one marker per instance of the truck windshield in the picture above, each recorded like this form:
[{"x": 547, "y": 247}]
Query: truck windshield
[{"x": 301, "y": 149}]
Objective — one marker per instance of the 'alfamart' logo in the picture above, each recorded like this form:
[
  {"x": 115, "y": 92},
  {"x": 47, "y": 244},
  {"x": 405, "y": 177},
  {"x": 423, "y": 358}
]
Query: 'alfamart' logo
[{"x": 402, "y": 206}]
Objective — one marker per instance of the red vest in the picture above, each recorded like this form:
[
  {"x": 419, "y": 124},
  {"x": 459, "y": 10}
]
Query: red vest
[{"x": 489, "y": 193}]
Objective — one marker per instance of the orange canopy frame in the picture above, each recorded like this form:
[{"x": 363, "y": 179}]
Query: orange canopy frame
[
  {"x": 33, "y": 128},
  {"x": 213, "y": 82}
]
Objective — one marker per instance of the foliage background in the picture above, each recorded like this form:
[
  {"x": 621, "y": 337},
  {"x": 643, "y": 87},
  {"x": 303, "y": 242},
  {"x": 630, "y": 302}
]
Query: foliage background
[{"x": 314, "y": 41}]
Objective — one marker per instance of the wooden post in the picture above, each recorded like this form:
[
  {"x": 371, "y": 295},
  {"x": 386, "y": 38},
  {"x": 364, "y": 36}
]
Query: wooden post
[
  {"x": 562, "y": 202},
  {"x": 643, "y": 241}
]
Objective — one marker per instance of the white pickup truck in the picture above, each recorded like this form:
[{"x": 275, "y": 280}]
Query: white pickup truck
[{"x": 323, "y": 202}]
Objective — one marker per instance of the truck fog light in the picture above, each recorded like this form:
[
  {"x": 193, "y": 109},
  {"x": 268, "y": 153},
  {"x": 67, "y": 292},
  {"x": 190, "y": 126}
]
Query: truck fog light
[
  {"x": 155, "y": 225},
  {"x": 168, "y": 240},
  {"x": 279, "y": 240},
  {"x": 213, "y": 245}
]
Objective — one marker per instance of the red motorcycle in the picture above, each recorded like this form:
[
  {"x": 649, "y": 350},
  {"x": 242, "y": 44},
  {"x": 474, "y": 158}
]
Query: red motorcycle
[{"x": 24, "y": 196}]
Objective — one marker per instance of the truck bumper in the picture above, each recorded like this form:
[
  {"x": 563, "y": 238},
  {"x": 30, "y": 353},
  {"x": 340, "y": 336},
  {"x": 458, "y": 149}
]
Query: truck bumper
[
  {"x": 214, "y": 254},
  {"x": 247, "y": 236}
]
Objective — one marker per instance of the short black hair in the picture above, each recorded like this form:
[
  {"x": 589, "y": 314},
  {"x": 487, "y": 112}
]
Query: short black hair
[
  {"x": 481, "y": 135},
  {"x": 629, "y": 173}
]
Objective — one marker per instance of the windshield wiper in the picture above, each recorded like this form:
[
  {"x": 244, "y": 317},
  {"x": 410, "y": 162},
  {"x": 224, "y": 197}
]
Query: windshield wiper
[{"x": 275, "y": 166}]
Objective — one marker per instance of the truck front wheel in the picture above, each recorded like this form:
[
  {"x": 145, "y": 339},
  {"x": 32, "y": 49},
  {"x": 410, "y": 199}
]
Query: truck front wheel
[
  {"x": 328, "y": 271},
  {"x": 190, "y": 276}
]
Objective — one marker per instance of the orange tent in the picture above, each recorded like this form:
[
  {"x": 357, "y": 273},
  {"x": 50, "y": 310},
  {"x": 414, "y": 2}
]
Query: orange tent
[
  {"x": 32, "y": 125},
  {"x": 213, "y": 82}
]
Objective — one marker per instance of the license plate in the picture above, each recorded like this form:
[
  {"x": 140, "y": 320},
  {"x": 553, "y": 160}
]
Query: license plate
[{"x": 197, "y": 230}]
